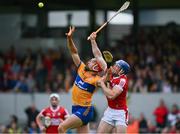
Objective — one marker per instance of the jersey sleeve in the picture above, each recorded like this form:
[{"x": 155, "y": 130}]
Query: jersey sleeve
[
  {"x": 43, "y": 112},
  {"x": 66, "y": 113},
  {"x": 121, "y": 84},
  {"x": 81, "y": 66}
]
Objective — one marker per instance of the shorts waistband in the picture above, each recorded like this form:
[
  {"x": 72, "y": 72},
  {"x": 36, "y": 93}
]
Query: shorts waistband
[{"x": 112, "y": 109}]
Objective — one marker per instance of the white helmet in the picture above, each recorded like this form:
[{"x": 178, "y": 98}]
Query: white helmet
[{"x": 54, "y": 95}]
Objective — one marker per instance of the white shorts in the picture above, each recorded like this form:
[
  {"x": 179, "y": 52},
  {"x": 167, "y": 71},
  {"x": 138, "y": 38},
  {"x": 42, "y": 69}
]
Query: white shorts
[{"x": 115, "y": 117}]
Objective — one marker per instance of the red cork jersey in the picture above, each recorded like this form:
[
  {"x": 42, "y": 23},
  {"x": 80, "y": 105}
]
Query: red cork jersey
[
  {"x": 120, "y": 101},
  {"x": 56, "y": 117}
]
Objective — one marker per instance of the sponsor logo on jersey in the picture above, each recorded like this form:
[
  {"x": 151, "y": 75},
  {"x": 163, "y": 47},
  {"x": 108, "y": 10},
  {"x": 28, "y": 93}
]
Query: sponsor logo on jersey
[
  {"x": 84, "y": 85},
  {"x": 78, "y": 112},
  {"x": 55, "y": 122},
  {"x": 81, "y": 82}
]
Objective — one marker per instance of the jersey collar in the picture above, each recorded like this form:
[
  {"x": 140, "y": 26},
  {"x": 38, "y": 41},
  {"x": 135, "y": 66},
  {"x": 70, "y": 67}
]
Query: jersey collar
[{"x": 54, "y": 110}]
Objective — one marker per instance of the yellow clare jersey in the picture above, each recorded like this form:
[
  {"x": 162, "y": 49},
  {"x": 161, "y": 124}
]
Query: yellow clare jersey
[{"x": 84, "y": 86}]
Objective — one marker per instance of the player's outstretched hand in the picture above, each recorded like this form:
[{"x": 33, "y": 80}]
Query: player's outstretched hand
[
  {"x": 93, "y": 36},
  {"x": 71, "y": 31}
]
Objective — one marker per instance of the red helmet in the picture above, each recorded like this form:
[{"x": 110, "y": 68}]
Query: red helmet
[{"x": 94, "y": 65}]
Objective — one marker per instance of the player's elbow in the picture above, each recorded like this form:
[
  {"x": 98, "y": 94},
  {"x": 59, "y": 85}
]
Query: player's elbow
[{"x": 38, "y": 118}]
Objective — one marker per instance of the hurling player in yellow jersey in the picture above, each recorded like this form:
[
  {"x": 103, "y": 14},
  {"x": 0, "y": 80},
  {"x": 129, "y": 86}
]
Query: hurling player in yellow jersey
[{"x": 84, "y": 85}]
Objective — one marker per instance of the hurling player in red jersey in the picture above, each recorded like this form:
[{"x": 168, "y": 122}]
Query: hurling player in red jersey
[
  {"x": 115, "y": 90},
  {"x": 52, "y": 115}
]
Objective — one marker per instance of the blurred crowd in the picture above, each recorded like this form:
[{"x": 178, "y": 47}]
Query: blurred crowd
[
  {"x": 154, "y": 58},
  {"x": 16, "y": 127},
  {"x": 166, "y": 120},
  {"x": 40, "y": 71}
]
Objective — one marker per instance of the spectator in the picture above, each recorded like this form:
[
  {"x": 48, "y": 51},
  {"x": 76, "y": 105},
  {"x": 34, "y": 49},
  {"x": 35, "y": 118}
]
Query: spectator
[
  {"x": 143, "y": 127},
  {"x": 1, "y": 61},
  {"x": 73, "y": 72},
  {"x": 48, "y": 88},
  {"x": 31, "y": 113},
  {"x": 133, "y": 125},
  {"x": 155, "y": 58},
  {"x": 13, "y": 118},
  {"x": 21, "y": 85},
  {"x": 31, "y": 83},
  {"x": 161, "y": 113},
  {"x": 166, "y": 87},
  {"x": 11, "y": 54},
  {"x": 33, "y": 128},
  {"x": 151, "y": 127},
  {"x": 11, "y": 82},
  {"x": 14, "y": 129},
  {"x": 177, "y": 125},
  {"x": 48, "y": 64},
  {"x": 3, "y": 129},
  {"x": 58, "y": 84},
  {"x": 5, "y": 82},
  {"x": 41, "y": 76},
  {"x": 15, "y": 68},
  {"x": 60, "y": 61},
  {"x": 13, "y": 126},
  {"x": 173, "y": 115},
  {"x": 25, "y": 130},
  {"x": 68, "y": 80},
  {"x": 7, "y": 66}
]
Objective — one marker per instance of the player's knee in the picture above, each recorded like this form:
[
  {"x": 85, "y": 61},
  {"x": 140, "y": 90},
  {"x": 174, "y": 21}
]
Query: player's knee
[{"x": 61, "y": 129}]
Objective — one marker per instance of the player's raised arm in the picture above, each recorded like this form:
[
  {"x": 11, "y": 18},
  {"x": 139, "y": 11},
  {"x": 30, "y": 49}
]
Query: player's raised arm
[
  {"x": 96, "y": 52},
  {"x": 71, "y": 46}
]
